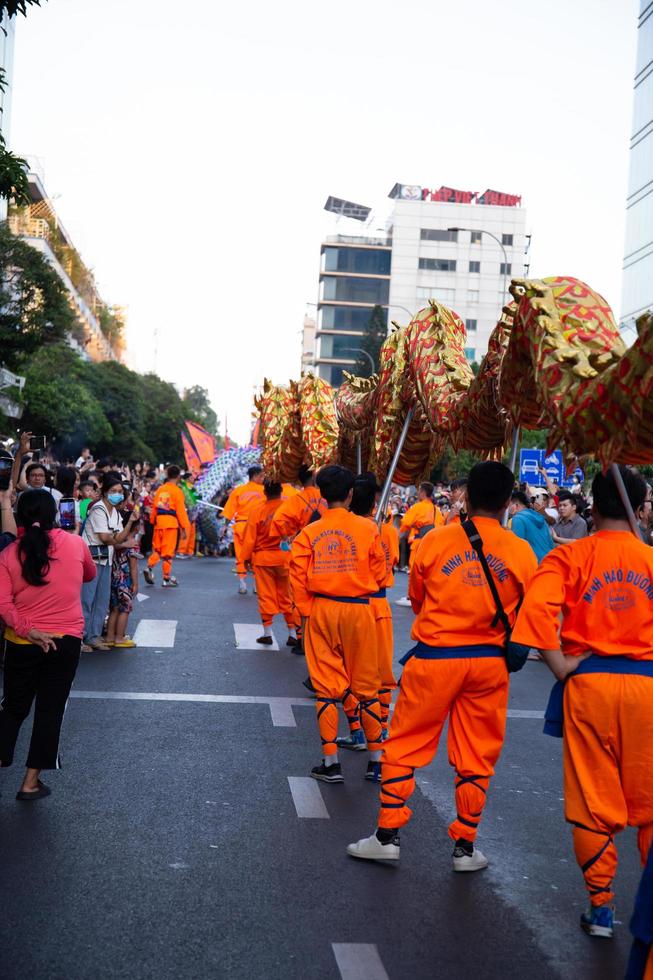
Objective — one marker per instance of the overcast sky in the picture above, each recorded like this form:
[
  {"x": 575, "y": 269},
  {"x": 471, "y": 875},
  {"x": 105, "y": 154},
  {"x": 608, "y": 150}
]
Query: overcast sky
[{"x": 190, "y": 157}]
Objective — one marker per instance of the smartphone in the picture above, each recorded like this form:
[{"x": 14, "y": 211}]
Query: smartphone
[
  {"x": 67, "y": 514},
  {"x": 37, "y": 442},
  {"x": 5, "y": 472}
]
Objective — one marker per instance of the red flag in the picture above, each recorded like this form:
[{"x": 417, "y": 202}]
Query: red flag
[
  {"x": 192, "y": 459},
  {"x": 203, "y": 442},
  {"x": 256, "y": 432}
]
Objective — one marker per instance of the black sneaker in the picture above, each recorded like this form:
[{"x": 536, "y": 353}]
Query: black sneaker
[
  {"x": 265, "y": 641},
  {"x": 292, "y": 641},
  {"x": 147, "y": 575},
  {"x": 373, "y": 773},
  {"x": 328, "y": 774}
]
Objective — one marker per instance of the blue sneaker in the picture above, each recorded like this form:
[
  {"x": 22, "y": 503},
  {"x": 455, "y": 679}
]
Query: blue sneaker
[
  {"x": 356, "y": 741},
  {"x": 373, "y": 773},
  {"x": 598, "y": 921}
]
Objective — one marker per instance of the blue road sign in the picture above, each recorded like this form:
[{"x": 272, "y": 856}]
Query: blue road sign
[{"x": 530, "y": 461}]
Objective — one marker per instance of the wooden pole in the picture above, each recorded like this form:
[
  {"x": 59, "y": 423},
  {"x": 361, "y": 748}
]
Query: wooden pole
[{"x": 385, "y": 493}]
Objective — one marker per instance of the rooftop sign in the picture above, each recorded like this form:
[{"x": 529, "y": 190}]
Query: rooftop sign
[{"x": 450, "y": 195}]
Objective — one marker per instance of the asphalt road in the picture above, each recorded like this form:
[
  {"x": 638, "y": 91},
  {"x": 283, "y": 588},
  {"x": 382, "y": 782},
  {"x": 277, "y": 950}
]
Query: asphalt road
[{"x": 173, "y": 844}]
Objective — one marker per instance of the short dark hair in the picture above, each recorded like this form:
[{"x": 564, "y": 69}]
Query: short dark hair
[
  {"x": 362, "y": 502},
  {"x": 173, "y": 472},
  {"x": 606, "y": 496},
  {"x": 566, "y": 495},
  {"x": 66, "y": 476},
  {"x": 29, "y": 469},
  {"x": 105, "y": 461},
  {"x": 254, "y": 471},
  {"x": 334, "y": 482},
  {"x": 427, "y": 488},
  {"x": 305, "y": 474},
  {"x": 271, "y": 489},
  {"x": 110, "y": 479},
  {"x": 88, "y": 483},
  {"x": 489, "y": 486},
  {"x": 460, "y": 482},
  {"x": 521, "y": 497}
]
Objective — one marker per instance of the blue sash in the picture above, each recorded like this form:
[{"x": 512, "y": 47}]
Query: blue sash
[
  {"x": 378, "y": 595},
  {"x": 362, "y": 600},
  {"x": 421, "y": 651},
  {"x": 596, "y": 664}
]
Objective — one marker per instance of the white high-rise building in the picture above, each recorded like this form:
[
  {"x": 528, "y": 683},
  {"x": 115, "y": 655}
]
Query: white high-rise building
[
  {"x": 637, "y": 286},
  {"x": 459, "y": 247}
]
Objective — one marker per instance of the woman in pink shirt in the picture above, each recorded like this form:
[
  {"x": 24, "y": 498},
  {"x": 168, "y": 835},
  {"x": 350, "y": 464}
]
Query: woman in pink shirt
[{"x": 41, "y": 577}]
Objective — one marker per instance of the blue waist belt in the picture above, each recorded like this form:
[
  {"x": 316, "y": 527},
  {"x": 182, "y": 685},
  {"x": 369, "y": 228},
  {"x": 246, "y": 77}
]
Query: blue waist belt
[
  {"x": 424, "y": 652},
  {"x": 596, "y": 664},
  {"x": 378, "y": 595},
  {"x": 167, "y": 513},
  {"x": 362, "y": 600}
]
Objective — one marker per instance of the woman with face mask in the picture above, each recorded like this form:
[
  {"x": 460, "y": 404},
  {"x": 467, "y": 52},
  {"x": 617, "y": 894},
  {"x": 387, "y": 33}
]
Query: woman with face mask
[{"x": 102, "y": 530}]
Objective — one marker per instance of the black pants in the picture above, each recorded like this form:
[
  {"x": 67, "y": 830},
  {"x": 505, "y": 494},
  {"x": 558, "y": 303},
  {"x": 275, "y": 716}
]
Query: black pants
[
  {"x": 47, "y": 677},
  {"x": 146, "y": 540}
]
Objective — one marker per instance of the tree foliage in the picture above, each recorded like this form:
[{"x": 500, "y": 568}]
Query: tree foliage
[
  {"x": 13, "y": 170},
  {"x": 371, "y": 342},
  {"x": 13, "y": 7},
  {"x": 197, "y": 405},
  {"x": 34, "y": 305}
]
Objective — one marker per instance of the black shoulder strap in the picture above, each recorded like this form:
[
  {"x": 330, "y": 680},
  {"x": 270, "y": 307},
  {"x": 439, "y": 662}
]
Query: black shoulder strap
[{"x": 476, "y": 542}]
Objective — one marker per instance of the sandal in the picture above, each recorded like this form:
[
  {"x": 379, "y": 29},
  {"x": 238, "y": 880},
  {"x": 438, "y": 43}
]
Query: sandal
[{"x": 36, "y": 794}]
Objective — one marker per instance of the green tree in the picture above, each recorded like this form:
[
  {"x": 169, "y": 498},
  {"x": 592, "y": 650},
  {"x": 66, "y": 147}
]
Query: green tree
[
  {"x": 13, "y": 170},
  {"x": 13, "y": 7},
  {"x": 121, "y": 395},
  {"x": 164, "y": 418},
  {"x": 198, "y": 408},
  {"x": 34, "y": 305},
  {"x": 59, "y": 405},
  {"x": 371, "y": 342}
]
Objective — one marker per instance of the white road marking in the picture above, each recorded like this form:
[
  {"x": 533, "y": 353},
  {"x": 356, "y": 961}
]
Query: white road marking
[
  {"x": 156, "y": 633},
  {"x": 246, "y": 634},
  {"x": 141, "y": 596},
  {"x": 522, "y": 713},
  {"x": 359, "y": 961},
  {"x": 280, "y": 708},
  {"x": 307, "y": 798}
]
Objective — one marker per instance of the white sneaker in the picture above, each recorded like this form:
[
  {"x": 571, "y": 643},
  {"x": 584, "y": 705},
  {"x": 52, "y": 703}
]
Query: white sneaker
[
  {"x": 475, "y": 861},
  {"x": 242, "y": 589},
  {"x": 372, "y": 849},
  {"x": 404, "y": 602}
]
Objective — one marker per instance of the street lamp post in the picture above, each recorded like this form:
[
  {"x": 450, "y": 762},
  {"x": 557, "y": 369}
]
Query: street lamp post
[
  {"x": 359, "y": 350},
  {"x": 482, "y": 231},
  {"x": 395, "y": 306}
]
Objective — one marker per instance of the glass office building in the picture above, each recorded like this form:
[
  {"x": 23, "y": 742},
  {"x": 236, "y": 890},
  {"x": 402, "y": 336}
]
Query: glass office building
[{"x": 637, "y": 291}]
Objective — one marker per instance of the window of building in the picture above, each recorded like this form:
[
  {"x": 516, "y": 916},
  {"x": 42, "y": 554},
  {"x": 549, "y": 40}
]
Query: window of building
[
  {"x": 438, "y": 235},
  {"x": 354, "y": 290},
  {"x": 470, "y": 353},
  {"x": 340, "y": 346},
  {"x": 474, "y": 266},
  {"x": 473, "y": 295},
  {"x": 476, "y": 237},
  {"x": 345, "y": 318},
  {"x": 506, "y": 239},
  {"x": 471, "y": 325},
  {"x": 438, "y": 265},
  {"x": 368, "y": 261},
  {"x": 505, "y": 268},
  {"x": 435, "y": 292},
  {"x": 332, "y": 373}
]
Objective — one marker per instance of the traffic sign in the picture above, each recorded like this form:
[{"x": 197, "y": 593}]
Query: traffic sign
[{"x": 530, "y": 461}]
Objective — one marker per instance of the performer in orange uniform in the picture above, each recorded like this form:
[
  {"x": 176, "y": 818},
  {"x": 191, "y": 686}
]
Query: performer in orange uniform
[
  {"x": 603, "y": 586},
  {"x": 363, "y": 500},
  {"x": 421, "y": 517},
  {"x": 299, "y": 509},
  {"x": 239, "y": 504},
  {"x": 457, "y": 669},
  {"x": 336, "y": 564},
  {"x": 262, "y": 547},
  {"x": 170, "y": 522}
]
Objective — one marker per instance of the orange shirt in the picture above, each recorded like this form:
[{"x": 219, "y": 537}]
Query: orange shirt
[
  {"x": 296, "y": 512},
  {"x": 169, "y": 507},
  {"x": 390, "y": 543},
  {"x": 448, "y": 589},
  {"x": 603, "y": 586},
  {"x": 261, "y": 544},
  {"x": 242, "y": 500},
  {"x": 420, "y": 515},
  {"x": 339, "y": 555},
  {"x": 288, "y": 491}
]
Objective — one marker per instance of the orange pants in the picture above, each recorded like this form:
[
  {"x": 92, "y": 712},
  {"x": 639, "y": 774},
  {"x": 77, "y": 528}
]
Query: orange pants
[
  {"x": 239, "y": 534},
  {"x": 340, "y": 647},
  {"x": 187, "y": 546},
  {"x": 474, "y": 692},
  {"x": 273, "y": 594},
  {"x": 164, "y": 543},
  {"x": 384, "y": 649},
  {"x": 608, "y": 770}
]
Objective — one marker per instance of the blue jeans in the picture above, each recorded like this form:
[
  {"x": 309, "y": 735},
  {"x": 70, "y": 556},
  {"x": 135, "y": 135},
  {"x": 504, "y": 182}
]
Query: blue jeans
[{"x": 95, "y": 602}]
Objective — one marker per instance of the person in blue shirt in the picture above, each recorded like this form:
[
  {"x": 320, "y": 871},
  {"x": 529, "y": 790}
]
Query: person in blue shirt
[{"x": 530, "y": 525}]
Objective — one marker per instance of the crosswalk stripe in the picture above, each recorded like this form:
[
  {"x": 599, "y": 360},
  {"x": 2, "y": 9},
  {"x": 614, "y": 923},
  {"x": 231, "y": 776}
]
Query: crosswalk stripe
[
  {"x": 156, "y": 633},
  {"x": 246, "y": 634},
  {"x": 359, "y": 961},
  {"x": 307, "y": 798}
]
